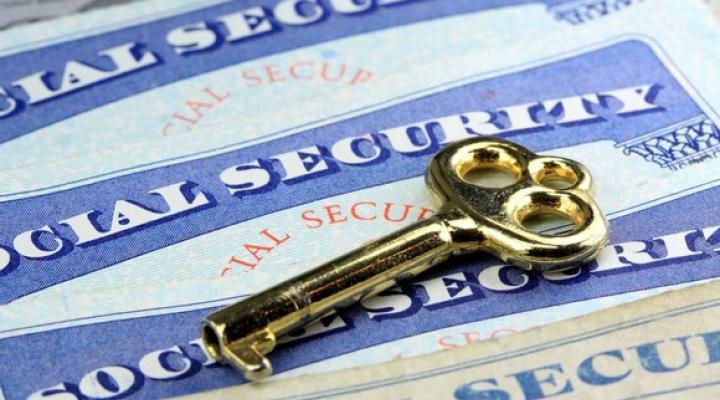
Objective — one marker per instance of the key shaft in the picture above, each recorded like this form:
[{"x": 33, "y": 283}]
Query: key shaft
[{"x": 242, "y": 334}]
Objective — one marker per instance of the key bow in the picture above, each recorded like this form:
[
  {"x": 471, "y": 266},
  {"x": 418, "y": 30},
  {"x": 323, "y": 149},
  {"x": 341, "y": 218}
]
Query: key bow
[{"x": 498, "y": 213}]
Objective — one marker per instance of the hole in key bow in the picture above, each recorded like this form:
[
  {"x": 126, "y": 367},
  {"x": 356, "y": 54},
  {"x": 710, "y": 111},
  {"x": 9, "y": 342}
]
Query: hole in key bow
[
  {"x": 489, "y": 167},
  {"x": 553, "y": 173},
  {"x": 548, "y": 223},
  {"x": 550, "y": 213},
  {"x": 490, "y": 177}
]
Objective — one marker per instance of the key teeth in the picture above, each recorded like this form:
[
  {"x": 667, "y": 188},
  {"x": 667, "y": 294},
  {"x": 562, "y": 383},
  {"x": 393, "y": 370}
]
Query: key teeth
[
  {"x": 250, "y": 362},
  {"x": 258, "y": 372}
]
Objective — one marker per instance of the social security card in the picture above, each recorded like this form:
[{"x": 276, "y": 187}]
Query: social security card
[
  {"x": 109, "y": 263},
  {"x": 66, "y": 81}
]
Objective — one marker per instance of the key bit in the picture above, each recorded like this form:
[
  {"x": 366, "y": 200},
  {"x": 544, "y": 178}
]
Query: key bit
[{"x": 469, "y": 218}]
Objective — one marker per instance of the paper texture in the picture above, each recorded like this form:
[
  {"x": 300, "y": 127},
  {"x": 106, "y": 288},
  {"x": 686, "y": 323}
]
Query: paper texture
[{"x": 715, "y": 6}]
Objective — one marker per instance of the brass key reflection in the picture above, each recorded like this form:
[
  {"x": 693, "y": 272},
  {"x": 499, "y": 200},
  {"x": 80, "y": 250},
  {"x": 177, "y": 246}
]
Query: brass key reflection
[{"x": 469, "y": 218}]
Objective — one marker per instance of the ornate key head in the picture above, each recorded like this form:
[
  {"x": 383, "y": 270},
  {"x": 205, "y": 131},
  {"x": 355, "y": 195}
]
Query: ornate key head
[{"x": 491, "y": 219}]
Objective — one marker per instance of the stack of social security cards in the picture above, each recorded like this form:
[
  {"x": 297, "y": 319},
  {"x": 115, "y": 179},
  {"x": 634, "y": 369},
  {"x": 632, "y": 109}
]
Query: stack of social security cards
[{"x": 162, "y": 159}]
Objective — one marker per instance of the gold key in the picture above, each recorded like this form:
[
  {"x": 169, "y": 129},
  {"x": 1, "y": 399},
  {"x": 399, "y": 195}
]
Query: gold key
[{"x": 469, "y": 218}]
